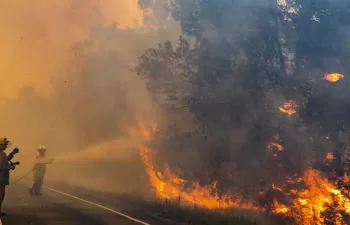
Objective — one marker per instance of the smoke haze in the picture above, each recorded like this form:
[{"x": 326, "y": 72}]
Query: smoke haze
[
  {"x": 39, "y": 35},
  {"x": 68, "y": 84},
  {"x": 212, "y": 74}
]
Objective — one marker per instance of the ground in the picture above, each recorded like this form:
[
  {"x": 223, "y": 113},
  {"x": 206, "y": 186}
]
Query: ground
[
  {"x": 55, "y": 208},
  {"x": 63, "y": 204}
]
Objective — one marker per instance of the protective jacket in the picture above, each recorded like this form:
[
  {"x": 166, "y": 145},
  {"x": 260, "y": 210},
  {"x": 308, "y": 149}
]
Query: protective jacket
[
  {"x": 4, "y": 169},
  {"x": 40, "y": 167}
]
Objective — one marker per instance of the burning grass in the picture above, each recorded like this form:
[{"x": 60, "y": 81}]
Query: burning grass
[
  {"x": 314, "y": 198},
  {"x": 310, "y": 205}
]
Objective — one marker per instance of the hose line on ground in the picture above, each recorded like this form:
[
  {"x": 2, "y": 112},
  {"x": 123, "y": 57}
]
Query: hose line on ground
[{"x": 21, "y": 178}]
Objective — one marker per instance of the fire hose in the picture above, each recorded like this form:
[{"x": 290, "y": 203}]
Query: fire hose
[
  {"x": 21, "y": 178},
  {"x": 10, "y": 156}
]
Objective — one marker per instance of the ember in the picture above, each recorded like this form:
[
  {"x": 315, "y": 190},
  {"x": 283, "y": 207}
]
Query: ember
[
  {"x": 330, "y": 156},
  {"x": 333, "y": 77},
  {"x": 289, "y": 107}
]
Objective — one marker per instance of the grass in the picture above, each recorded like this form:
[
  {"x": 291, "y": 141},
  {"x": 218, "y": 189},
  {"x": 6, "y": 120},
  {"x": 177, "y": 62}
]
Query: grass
[
  {"x": 195, "y": 216},
  {"x": 174, "y": 214}
]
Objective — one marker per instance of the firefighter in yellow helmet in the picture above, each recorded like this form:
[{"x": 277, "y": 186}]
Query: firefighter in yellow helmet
[
  {"x": 5, "y": 167},
  {"x": 39, "y": 171}
]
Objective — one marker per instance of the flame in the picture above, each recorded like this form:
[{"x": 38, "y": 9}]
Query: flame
[
  {"x": 173, "y": 188},
  {"x": 273, "y": 145},
  {"x": 333, "y": 77},
  {"x": 309, "y": 205},
  {"x": 274, "y": 148},
  {"x": 275, "y": 187},
  {"x": 169, "y": 185},
  {"x": 289, "y": 107},
  {"x": 143, "y": 129},
  {"x": 329, "y": 156}
]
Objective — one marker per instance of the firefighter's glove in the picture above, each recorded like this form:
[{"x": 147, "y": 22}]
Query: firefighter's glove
[{"x": 12, "y": 167}]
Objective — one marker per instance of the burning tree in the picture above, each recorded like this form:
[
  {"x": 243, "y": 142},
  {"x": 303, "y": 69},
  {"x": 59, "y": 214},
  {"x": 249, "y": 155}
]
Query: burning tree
[{"x": 233, "y": 80}]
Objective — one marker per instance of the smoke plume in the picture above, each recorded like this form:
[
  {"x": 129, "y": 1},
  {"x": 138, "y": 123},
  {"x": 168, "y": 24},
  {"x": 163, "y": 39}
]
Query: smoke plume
[{"x": 68, "y": 84}]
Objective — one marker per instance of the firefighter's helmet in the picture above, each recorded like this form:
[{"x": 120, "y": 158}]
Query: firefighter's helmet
[
  {"x": 41, "y": 149},
  {"x": 3, "y": 141}
]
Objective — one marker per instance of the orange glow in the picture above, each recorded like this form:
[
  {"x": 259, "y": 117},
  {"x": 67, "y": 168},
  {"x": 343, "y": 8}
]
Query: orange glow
[
  {"x": 169, "y": 185},
  {"x": 276, "y": 146},
  {"x": 309, "y": 204},
  {"x": 144, "y": 131},
  {"x": 172, "y": 187},
  {"x": 330, "y": 156},
  {"x": 289, "y": 107},
  {"x": 306, "y": 206},
  {"x": 333, "y": 77},
  {"x": 275, "y": 187}
]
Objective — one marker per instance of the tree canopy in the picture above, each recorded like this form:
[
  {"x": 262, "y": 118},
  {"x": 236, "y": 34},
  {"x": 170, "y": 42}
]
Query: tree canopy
[{"x": 234, "y": 65}]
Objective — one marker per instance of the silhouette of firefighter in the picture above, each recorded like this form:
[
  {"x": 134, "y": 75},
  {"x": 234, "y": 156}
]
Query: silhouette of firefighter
[
  {"x": 39, "y": 171},
  {"x": 5, "y": 166}
]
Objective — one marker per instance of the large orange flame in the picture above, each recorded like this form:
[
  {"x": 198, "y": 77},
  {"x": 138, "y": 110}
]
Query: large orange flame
[
  {"x": 307, "y": 206},
  {"x": 310, "y": 205},
  {"x": 169, "y": 185}
]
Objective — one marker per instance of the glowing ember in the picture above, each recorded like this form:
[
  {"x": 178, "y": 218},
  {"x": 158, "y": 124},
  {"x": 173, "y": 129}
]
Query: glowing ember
[
  {"x": 330, "y": 156},
  {"x": 333, "y": 77},
  {"x": 276, "y": 146},
  {"x": 275, "y": 187},
  {"x": 289, "y": 107}
]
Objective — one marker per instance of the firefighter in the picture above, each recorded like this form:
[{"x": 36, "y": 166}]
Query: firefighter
[
  {"x": 5, "y": 167},
  {"x": 39, "y": 171}
]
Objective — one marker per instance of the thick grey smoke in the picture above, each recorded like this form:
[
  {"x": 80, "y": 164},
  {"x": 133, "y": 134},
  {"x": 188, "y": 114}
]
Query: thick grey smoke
[{"x": 235, "y": 65}]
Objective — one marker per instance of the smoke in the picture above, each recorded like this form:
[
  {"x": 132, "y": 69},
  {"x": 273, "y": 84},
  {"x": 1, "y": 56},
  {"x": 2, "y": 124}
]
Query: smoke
[
  {"x": 69, "y": 85},
  {"x": 39, "y": 36},
  {"x": 223, "y": 92}
]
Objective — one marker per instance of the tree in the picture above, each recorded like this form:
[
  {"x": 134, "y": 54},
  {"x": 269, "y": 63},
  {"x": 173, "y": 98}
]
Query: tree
[{"x": 248, "y": 59}]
